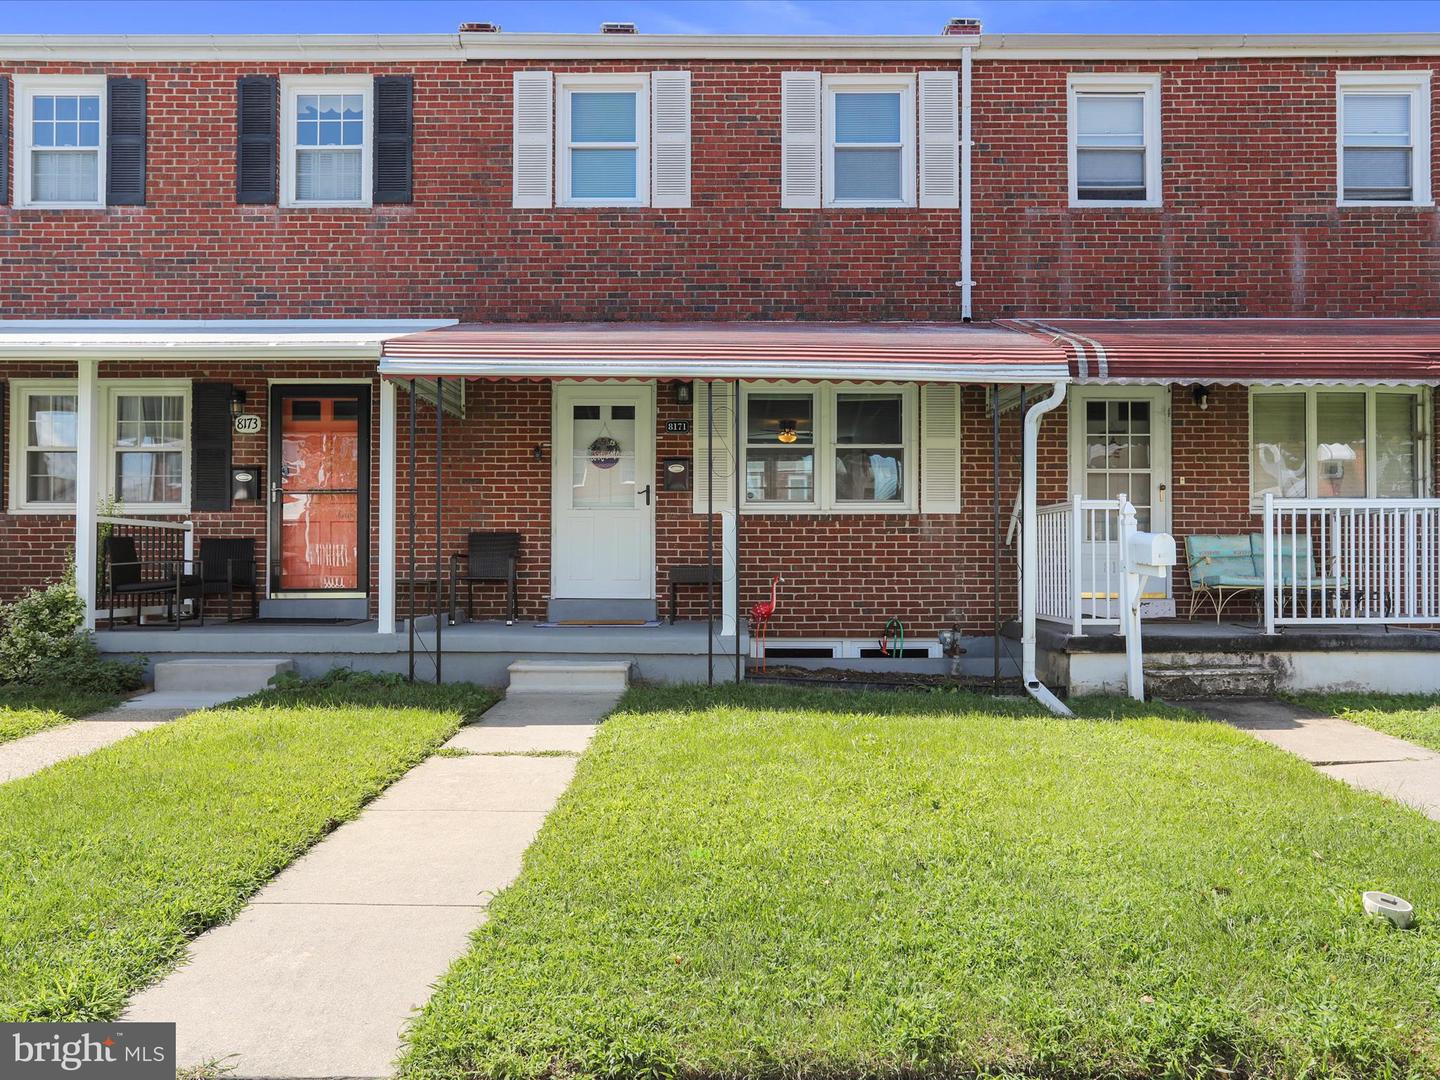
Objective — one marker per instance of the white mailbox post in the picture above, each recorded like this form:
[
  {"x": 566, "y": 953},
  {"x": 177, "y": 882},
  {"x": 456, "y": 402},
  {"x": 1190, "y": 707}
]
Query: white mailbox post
[{"x": 1142, "y": 555}]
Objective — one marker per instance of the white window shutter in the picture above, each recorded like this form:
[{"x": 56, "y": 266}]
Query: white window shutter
[
  {"x": 724, "y": 446},
  {"x": 800, "y": 143},
  {"x": 534, "y": 148},
  {"x": 939, "y": 139},
  {"x": 939, "y": 448},
  {"x": 670, "y": 138}
]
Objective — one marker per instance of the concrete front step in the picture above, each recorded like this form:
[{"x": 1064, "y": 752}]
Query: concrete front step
[
  {"x": 218, "y": 675},
  {"x": 569, "y": 676},
  {"x": 1175, "y": 682}
]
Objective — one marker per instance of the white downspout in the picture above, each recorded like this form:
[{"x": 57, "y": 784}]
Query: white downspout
[
  {"x": 967, "y": 284},
  {"x": 1030, "y": 553}
]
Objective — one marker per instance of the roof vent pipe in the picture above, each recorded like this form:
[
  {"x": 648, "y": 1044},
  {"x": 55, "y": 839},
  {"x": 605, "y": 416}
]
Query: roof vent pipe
[
  {"x": 617, "y": 28},
  {"x": 957, "y": 27},
  {"x": 479, "y": 28}
]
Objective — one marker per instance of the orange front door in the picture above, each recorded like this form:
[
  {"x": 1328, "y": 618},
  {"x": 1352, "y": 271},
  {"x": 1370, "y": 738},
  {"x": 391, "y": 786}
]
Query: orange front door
[{"x": 319, "y": 487}]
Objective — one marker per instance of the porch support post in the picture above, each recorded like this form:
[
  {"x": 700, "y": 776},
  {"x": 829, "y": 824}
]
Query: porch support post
[
  {"x": 730, "y": 582},
  {"x": 86, "y": 487},
  {"x": 387, "y": 508}
]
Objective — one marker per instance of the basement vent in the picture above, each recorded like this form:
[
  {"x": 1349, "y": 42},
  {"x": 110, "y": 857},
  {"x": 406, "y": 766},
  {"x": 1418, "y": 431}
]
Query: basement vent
[
  {"x": 800, "y": 652},
  {"x": 906, "y": 654}
]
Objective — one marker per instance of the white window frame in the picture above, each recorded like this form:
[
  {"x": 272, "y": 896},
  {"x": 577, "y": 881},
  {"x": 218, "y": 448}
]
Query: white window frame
[
  {"x": 904, "y": 85},
  {"x": 1417, "y": 85},
  {"x": 1148, "y": 87},
  {"x": 1312, "y": 473},
  {"x": 27, "y": 88},
  {"x": 637, "y": 83},
  {"x": 291, "y": 87},
  {"x": 825, "y": 396},
  {"x": 112, "y": 390},
  {"x": 21, "y": 391}
]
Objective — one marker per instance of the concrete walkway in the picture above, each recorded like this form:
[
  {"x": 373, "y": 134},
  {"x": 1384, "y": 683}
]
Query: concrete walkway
[
  {"x": 318, "y": 975},
  {"x": 32, "y": 753},
  {"x": 1360, "y": 756}
]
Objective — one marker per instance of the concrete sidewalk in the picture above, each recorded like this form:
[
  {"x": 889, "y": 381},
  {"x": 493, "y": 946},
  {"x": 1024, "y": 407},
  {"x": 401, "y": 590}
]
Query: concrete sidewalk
[
  {"x": 1360, "y": 756},
  {"x": 318, "y": 975},
  {"x": 32, "y": 753}
]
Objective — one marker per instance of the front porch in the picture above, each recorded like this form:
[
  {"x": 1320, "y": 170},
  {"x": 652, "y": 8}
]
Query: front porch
[{"x": 477, "y": 652}]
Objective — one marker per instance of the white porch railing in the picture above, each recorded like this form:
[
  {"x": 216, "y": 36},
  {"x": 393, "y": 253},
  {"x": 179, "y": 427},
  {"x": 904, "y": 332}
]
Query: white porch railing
[
  {"x": 1079, "y": 580},
  {"x": 1351, "y": 561}
]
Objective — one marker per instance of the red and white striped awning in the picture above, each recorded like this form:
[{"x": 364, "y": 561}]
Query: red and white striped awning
[
  {"x": 871, "y": 352},
  {"x": 1246, "y": 351}
]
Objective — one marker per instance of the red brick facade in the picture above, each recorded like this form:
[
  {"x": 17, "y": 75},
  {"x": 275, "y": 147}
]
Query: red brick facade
[{"x": 1249, "y": 226}]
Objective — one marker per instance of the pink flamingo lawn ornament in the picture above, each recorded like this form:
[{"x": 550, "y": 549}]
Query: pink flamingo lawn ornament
[{"x": 760, "y": 616}]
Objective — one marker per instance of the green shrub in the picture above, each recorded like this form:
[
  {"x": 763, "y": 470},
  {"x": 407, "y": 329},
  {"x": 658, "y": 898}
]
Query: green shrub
[{"x": 43, "y": 643}]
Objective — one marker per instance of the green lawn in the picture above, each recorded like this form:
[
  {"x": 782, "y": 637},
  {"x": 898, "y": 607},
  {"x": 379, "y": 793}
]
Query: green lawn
[
  {"x": 1415, "y": 717},
  {"x": 765, "y": 883},
  {"x": 25, "y": 710},
  {"x": 110, "y": 862}
]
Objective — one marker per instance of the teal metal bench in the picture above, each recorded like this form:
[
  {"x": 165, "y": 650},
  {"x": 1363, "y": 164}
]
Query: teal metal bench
[{"x": 1223, "y": 567}]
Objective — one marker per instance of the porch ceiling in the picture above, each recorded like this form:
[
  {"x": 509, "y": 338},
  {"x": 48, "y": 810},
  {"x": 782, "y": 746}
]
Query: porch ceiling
[
  {"x": 1246, "y": 351},
  {"x": 921, "y": 352}
]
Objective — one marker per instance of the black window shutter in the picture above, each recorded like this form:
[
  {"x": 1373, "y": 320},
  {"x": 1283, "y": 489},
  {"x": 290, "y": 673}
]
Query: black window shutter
[
  {"x": 4, "y": 140},
  {"x": 125, "y": 143},
  {"x": 256, "y": 121},
  {"x": 394, "y": 138},
  {"x": 210, "y": 430}
]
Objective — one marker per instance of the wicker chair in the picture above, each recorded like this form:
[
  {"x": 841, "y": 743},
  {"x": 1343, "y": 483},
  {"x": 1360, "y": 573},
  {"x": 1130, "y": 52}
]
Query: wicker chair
[
  {"x": 492, "y": 558},
  {"x": 129, "y": 578},
  {"x": 227, "y": 566}
]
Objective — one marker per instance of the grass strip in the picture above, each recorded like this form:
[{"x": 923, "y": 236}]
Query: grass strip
[
  {"x": 771, "y": 883},
  {"x": 111, "y": 862},
  {"x": 24, "y": 710},
  {"x": 1413, "y": 717}
]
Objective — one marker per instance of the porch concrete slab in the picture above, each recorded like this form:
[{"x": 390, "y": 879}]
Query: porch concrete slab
[
  {"x": 478, "y": 783},
  {"x": 30, "y": 754},
  {"x": 307, "y": 990},
  {"x": 536, "y": 723},
  {"x": 466, "y": 857},
  {"x": 176, "y": 701},
  {"x": 1319, "y": 739},
  {"x": 1415, "y": 783}
]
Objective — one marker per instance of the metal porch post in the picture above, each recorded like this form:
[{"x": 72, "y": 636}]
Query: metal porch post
[
  {"x": 739, "y": 498},
  {"x": 710, "y": 534},
  {"x": 411, "y": 556},
  {"x": 386, "y": 609},
  {"x": 439, "y": 523}
]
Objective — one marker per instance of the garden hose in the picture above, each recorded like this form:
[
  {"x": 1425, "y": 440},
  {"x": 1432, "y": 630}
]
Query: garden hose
[{"x": 894, "y": 636}]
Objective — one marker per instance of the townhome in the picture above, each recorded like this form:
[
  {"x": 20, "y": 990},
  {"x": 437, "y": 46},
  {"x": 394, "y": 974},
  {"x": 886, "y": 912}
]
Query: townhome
[{"x": 351, "y": 306}]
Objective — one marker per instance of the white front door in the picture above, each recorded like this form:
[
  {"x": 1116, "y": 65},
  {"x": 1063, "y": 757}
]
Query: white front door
[
  {"x": 1120, "y": 445},
  {"x": 603, "y": 482}
]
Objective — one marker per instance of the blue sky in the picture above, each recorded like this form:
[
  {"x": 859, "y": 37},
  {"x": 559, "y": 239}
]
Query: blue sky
[{"x": 717, "y": 16}]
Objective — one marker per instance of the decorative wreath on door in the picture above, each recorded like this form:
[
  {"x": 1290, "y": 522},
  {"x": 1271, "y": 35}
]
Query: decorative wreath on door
[{"x": 604, "y": 452}]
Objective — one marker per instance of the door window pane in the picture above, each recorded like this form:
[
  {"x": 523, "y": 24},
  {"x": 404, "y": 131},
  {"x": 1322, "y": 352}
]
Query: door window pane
[
  {"x": 1397, "y": 473},
  {"x": 319, "y": 541},
  {"x": 1117, "y": 459},
  {"x": 602, "y": 458},
  {"x": 320, "y": 498},
  {"x": 1277, "y": 453},
  {"x": 1340, "y": 445}
]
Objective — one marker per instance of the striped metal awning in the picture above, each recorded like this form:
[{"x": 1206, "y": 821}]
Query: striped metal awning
[
  {"x": 870, "y": 352},
  {"x": 1246, "y": 351}
]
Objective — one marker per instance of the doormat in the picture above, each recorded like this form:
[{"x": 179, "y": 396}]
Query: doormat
[{"x": 572, "y": 623}]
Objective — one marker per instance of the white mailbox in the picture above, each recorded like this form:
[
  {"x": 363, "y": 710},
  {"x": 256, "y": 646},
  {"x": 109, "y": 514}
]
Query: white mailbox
[{"x": 1149, "y": 553}]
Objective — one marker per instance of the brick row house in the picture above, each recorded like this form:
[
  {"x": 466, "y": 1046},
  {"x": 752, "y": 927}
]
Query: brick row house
[{"x": 350, "y": 302}]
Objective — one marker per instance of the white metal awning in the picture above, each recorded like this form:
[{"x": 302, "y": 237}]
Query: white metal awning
[{"x": 120, "y": 339}]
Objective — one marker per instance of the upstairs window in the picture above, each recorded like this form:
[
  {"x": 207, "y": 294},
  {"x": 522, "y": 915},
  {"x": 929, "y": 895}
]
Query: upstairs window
[
  {"x": 60, "y": 159},
  {"x": 870, "y": 152},
  {"x": 326, "y": 155},
  {"x": 604, "y": 141},
  {"x": 1384, "y": 138},
  {"x": 1114, "y": 141}
]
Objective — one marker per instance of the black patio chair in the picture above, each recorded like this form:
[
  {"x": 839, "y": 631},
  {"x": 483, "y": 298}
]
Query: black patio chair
[
  {"x": 227, "y": 567},
  {"x": 492, "y": 558},
  {"x": 128, "y": 577}
]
